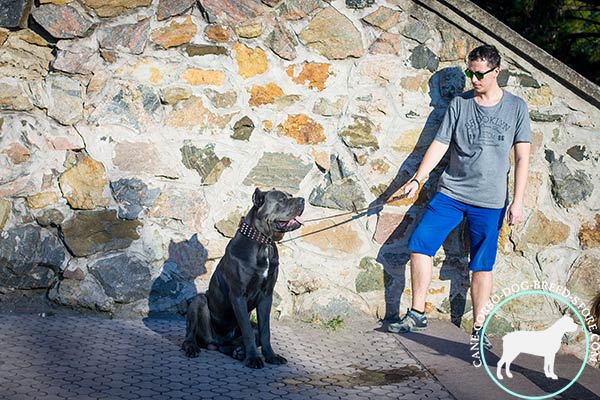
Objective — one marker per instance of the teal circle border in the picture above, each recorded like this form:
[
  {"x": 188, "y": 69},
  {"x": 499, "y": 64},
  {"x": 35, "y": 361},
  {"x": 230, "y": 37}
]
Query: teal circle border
[{"x": 545, "y": 293}]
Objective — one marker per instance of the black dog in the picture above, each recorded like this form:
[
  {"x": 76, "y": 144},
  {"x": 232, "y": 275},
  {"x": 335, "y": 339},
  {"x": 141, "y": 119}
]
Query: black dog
[{"x": 244, "y": 281}]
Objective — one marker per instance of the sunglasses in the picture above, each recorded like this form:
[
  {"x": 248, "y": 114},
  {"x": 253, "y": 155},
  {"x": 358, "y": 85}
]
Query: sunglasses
[{"x": 478, "y": 75}]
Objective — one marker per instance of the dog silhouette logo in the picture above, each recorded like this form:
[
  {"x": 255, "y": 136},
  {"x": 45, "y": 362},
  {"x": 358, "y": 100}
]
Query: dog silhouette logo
[{"x": 544, "y": 343}]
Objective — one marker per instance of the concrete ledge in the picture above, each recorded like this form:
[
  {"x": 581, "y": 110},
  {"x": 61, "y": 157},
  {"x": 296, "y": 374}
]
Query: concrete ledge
[{"x": 479, "y": 23}]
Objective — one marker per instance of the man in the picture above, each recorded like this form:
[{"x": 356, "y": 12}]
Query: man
[{"x": 480, "y": 127}]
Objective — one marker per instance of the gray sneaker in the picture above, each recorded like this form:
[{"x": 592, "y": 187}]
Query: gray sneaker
[
  {"x": 411, "y": 322},
  {"x": 475, "y": 337}
]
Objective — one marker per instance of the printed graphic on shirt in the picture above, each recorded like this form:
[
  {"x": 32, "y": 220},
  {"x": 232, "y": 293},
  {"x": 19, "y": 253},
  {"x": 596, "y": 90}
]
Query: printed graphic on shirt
[{"x": 487, "y": 130}]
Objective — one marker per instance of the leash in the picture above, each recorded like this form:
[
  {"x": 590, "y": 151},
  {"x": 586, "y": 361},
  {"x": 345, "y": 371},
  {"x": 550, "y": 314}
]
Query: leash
[{"x": 358, "y": 213}]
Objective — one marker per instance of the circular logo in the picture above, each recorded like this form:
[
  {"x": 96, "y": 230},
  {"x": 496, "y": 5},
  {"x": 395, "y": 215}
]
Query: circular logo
[{"x": 535, "y": 292}]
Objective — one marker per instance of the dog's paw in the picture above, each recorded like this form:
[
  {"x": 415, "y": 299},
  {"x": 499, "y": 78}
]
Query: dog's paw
[
  {"x": 239, "y": 353},
  {"x": 553, "y": 377},
  {"x": 254, "y": 362},
  {"x": 190, "y": 349},
  {"x": 275, "y": 359},
  {"x": 510, "y": 375}
]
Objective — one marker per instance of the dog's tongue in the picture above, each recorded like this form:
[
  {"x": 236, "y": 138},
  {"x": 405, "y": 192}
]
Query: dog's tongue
[{"x": 297, "y": 219}]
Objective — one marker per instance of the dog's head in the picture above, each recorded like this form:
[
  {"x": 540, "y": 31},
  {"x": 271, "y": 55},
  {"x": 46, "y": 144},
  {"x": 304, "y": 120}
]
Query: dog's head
[
  {"x": 567, "y": 324},
  {"x": 275, "y": 212}
]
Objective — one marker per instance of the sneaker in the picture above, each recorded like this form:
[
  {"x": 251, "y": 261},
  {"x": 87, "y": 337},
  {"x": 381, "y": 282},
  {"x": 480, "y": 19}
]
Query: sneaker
[
  {"x": 411, "y": 322},
  {"x": 475, "y": 337}
]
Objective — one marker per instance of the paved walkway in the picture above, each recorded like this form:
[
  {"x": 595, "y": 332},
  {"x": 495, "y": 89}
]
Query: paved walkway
[{"x": 83, "y": 357}]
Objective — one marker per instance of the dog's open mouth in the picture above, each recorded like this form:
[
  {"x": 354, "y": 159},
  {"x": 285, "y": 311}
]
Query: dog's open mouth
[{"x": 291, "y": 225}]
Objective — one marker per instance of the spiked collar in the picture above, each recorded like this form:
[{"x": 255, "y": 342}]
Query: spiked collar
[{"x": 250, "y": 232}]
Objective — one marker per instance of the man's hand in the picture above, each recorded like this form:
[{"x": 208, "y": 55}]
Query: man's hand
[
  {"x": 411, "y": 189},
  {"x": 514, "y": 214}
]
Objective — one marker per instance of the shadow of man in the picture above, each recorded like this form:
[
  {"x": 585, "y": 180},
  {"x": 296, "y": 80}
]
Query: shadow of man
[
  {"x": 174, "y": 287},
  {"x": 393, "y": 253}
]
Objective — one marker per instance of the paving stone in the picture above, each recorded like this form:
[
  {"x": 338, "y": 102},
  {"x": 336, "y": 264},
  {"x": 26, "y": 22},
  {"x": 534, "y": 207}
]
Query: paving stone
[{"x": 89, "y": 357}]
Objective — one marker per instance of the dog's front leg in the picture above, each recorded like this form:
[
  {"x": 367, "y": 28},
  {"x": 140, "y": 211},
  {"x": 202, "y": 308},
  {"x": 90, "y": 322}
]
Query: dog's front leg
[
  {"x": 549, "y": 366},
  {"x": 263, "y": 312},
  {"x": 240, "y": 308}
]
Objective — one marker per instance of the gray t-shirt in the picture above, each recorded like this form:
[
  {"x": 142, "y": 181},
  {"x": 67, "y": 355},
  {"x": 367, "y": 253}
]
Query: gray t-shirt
[{"x": 480, "y": 140}]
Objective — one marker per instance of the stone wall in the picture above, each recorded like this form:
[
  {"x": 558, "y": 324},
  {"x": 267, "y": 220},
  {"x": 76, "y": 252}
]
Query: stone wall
[{"x": 133, "y": 133}]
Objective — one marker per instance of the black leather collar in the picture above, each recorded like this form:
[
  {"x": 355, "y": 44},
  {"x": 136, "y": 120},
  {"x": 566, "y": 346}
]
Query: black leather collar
[{"x": 252, "y": 233}]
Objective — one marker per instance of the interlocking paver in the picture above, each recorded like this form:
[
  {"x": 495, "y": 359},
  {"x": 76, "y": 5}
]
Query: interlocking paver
[{"x": 71, "y": 357}]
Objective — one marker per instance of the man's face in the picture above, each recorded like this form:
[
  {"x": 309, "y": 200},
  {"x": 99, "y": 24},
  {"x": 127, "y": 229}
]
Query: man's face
[{"x": 481, "y": 66}]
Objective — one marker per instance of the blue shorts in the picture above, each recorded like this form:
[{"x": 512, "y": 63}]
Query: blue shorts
[{"x": 443, "y": 214}]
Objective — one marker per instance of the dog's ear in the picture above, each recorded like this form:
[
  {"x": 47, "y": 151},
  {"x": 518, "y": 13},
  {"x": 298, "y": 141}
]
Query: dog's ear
[{"x": 258, "y": 198}]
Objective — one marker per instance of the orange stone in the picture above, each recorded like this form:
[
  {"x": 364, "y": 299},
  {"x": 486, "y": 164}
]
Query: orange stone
[
  {"x": 195, "y": 76},
  {"x": 217, "y": 33},
  {"x": 175, "y": 34},
  {"x": 315, "y": 73},
  {"x": 419, "y": 199},
  {"x": 429, "y": 307},
  {"x": 3, "y": 35},
  {"x": 437, "y": 291},
  {"x": 251, "y": 62},
  {"x": 83, "y": 184},
  {"x": 323, "y": 235},
  {"x": 17, "y": 153},
  {"x": 260, "y": 95},
  {"x": 41, "y": 200},
  {"x": 155, "y": 76},
  {"x": 504, "y": 243},
  {"x": 190, "y": 113},
  {"x": 303, "y": 129},
  {"x": 380, "y": 166},
  {"x": 589, "y": 234}
]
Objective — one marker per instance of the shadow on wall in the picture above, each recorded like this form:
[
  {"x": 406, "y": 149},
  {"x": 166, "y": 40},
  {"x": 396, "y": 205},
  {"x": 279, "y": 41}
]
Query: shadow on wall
[
  {"x": 173, "y": 288},
  {"x": 394, "y": 254}
]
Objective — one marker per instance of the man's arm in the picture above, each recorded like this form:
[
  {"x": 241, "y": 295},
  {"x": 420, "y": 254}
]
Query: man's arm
[
  {"x": 432, "y": 157},
  {"x": 515, "y": 210}
]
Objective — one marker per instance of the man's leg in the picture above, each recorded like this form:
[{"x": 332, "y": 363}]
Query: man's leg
[
  {"x": 481, "y": 289},
  {"x": 421, "y": 266},
  {"x": 443, "y": 214},
  {"x": 484, "y": 228}
]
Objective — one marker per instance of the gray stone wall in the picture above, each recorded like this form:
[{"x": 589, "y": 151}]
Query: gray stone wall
[{"x": 132, "y": 134}]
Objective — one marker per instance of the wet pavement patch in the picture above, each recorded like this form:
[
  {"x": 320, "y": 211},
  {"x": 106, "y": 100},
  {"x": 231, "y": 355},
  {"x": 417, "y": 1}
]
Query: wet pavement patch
[
  {"x": 364, "y": 377},
  {"x": 383, "y": 377}
]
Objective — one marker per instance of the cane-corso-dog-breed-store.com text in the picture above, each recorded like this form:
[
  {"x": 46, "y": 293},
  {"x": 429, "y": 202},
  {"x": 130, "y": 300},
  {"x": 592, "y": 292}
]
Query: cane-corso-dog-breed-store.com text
[{"x": 242, "y": 282}]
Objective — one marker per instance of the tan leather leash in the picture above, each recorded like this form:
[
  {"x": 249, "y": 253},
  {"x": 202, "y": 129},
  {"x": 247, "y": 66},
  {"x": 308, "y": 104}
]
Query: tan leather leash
[{"x": 359, "y": 213}]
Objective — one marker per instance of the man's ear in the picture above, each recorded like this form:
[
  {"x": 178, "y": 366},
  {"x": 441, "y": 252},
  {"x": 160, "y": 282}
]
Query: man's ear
[{"x": 258, "y": 198}]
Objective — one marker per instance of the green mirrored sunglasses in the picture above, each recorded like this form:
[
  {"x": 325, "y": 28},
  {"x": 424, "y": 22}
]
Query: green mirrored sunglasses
[{"x": 478, "y": 75}]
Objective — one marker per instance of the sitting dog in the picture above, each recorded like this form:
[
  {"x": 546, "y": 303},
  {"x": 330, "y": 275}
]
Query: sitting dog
[
  {"x": 243, "y": 281},
  {"x": 543, "y": 343}
]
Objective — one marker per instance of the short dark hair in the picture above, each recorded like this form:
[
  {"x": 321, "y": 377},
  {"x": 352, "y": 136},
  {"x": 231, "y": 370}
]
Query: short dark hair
[{"x": 486, "y": 53}]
